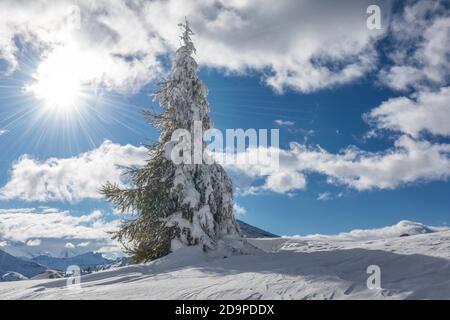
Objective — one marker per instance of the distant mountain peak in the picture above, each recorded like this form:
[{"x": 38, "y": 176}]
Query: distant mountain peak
[
  {"x": 84, "y": 260},
  {"x": 250, "y": 231}
]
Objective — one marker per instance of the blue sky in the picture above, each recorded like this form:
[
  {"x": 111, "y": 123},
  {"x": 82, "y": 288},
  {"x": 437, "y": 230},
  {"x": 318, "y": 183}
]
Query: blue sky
[
  {"x": 335, "y": 118},
  {"x": 367, "y": 110}
]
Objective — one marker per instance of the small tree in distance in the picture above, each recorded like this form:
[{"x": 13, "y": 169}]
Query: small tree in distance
[{"x": 176, "y": 204}]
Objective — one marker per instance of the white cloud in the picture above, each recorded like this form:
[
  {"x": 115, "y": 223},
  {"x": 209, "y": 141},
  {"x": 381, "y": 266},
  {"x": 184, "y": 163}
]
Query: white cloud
[
  {"x": 238, "y": 210},
  {"x": 28, "y": 223},
  {"x": 282, "y": 182},
  {"x": 34, "y": 231},
  {"x": 426, "y": 111},
  {"x": 3, "y": 131},
  {"x": 84, "y": 244},
  {"x": 284, "y": 123},
  {"x": 408, "y": 161},
  {"x": 119, "y": 43},
  {"x": 69, "y": 245},
  {"x": 301, "y": 50},
  {"x": 70, "y": 179},
  {"x": 421, "y": 33},
  {"x": 324, "y": 196},
  {"x": 115, "y": 49},
  {"x": 34, "y": 242}
]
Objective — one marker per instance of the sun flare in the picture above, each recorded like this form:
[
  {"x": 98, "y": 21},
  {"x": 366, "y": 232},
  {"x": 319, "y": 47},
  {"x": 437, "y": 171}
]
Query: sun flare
[{"x": 57, "y": 80}]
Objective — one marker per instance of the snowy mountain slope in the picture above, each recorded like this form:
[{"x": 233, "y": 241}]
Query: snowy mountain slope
[
  {"x": 89, "y": 259},
  {"x": 417, "y": 266},
  {"x": 9, "y": 263},
  {"x": 250, "y": 231}
]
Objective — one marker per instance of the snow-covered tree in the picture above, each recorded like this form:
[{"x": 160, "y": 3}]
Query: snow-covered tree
[{"x": 177, "y": 204}]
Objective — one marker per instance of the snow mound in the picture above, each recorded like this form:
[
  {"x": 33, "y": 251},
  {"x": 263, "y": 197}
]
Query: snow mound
[{"x": 13, "y": 276}]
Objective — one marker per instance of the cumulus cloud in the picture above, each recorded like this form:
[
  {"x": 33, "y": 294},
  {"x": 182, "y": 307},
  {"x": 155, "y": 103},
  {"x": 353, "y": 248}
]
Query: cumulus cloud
[
  {"x": 301, "y": 52},
  {"x": 408, "y": 161},
  {"x": 3, "y": 131},
  {"x": 114, "y": 48},
  {"x": 285, "y": 181},
  {"x": 425, "y": 111},
  {"x": 420, "y": 37},
  {"x": 70, "y": 179},
  {"x": 31, "y": 230},
  {"x": 29, "y": 223},
  {"x": 119, "y": 43}
]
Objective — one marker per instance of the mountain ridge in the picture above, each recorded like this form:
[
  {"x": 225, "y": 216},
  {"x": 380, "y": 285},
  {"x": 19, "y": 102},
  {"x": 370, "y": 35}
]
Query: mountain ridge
[
  {"x": 84, "y": 260},
  {"x": 12, "y": 264}
]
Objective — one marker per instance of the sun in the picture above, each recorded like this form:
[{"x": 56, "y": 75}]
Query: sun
[{"x": 57, "y": 81}]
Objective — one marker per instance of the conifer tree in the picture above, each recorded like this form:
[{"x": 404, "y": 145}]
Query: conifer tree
[{"x": 176, "y": 204}]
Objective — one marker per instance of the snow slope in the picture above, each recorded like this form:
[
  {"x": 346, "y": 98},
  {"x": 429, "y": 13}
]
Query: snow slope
[{"x": 416, "y": 266}]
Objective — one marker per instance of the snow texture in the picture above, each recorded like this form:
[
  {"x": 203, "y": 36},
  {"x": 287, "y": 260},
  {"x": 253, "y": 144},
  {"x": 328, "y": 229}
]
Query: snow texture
[{"x": 412, "y": 267}]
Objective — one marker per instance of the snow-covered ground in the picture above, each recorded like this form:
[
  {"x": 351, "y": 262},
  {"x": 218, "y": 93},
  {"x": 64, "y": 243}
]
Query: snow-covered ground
[{"x": 314, "y": 267}]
